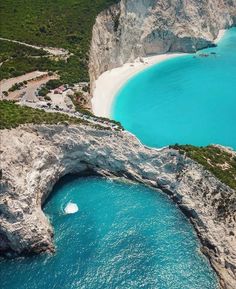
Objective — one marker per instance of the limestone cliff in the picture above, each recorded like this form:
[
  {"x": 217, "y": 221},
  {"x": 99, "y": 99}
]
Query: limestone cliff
[
  {"x": 34, "y": 158},
  {"x": 134, "y": 28}
]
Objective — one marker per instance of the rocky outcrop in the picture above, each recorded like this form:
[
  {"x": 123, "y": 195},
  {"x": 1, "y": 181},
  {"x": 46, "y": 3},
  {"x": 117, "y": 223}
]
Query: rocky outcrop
[
  {"x": 136, "y": 28},
  {"x": 34, "y": 158}
]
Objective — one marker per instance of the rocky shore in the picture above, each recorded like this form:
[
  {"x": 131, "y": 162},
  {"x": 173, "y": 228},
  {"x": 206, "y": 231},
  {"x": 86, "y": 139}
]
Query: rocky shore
[{"x": 34, "y": 158}]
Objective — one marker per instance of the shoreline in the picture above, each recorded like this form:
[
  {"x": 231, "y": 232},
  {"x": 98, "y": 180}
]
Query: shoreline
[
  {"x": 196, "y": 204},
  {"x": 110, "y": 82},
  {"x": 113, "y": 80},
  {"x": 220, "y": 36}
]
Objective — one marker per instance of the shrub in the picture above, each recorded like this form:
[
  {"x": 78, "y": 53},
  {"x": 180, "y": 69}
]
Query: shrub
[
  {"x": 5, "y": 93},
  {"x": 85, "y": 88},
  {"x": 15, "y": 87},
  {"x": 53, "y": 83},
  {"x": 43, "y": 91},
  {"x": 47, "y": 98},
  {"x": 213, "y": 159}
]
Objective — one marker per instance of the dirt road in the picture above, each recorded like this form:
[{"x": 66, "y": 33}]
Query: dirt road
[{"x": 51, "y": 50}]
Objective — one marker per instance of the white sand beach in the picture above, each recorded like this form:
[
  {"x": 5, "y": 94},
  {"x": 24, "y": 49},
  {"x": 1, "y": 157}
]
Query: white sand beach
[{"x": 111, "y": 81}]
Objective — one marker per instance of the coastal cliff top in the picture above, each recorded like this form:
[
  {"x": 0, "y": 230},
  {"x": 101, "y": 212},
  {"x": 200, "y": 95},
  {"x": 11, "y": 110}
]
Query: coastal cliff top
[
  {"x": 35, "y": 157},
  {"x": 219, "y": 160}
]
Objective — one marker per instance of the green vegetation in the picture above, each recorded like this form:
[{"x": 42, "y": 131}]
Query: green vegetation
[
  {"x": 105, "y": 119},
  {"x": 18, "y": 59},
  {"x": 16, "y": 86},
  {"x": 75, "y": 99},
  {"x": 13, "y": 115},
  {"x": 43, "y": 91},
  {"x": 70, "y": 71},
  {"x": 220, "y": 163},
  {"x": 51, "y": 84},
  {"x": 47, "y": 98},
  {"x": 57, "y": 23},
  {"x": 20, "y": 64},
  {"x": 14, "y": 50}
]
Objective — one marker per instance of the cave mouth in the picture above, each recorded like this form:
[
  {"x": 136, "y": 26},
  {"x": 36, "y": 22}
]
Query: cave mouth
[{"x": 124, "y": 235}]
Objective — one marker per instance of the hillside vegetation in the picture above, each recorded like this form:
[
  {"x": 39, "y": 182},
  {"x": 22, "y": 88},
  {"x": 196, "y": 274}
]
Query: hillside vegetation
[
  {"x": 220, "y": 162},
  {"x": 57, "y": 23},
  {"x": 26, "y": 59},
  {"x": 13, "y": 115},
  {"x": 18, "y": 59},
  {"x": 13, "y": 50}
]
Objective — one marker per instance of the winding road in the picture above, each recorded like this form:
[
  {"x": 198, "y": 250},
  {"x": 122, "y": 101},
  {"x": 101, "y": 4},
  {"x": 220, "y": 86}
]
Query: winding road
[{"x": 51, "y": 50}]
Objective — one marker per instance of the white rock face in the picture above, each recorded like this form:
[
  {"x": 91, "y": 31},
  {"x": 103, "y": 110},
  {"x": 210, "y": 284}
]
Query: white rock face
[
  {"x": 34, "y": 158},
  {"x": 136, "y": 28}
]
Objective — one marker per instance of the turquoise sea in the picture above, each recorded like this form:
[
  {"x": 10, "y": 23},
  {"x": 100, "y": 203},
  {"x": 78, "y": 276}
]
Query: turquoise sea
[
  {"x": 124, "y": 236},
  {"x": 186, "y": 100},
  {"x": 127, "y": 235}
]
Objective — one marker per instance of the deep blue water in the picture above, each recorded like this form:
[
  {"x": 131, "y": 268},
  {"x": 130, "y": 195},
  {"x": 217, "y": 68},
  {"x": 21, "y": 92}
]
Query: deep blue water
[
  {"x": 185, "y": 100},
  {"x": 124, "y": 236}
]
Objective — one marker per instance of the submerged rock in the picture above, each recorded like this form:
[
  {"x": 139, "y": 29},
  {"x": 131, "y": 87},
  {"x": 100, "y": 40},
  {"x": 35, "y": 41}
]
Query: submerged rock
[{"x": 34, "y": 158}]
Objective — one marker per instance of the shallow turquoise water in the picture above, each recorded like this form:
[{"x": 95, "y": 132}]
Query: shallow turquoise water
[
  {"x": 124, "y": 236},
  {"x": 184, "y": 100}
]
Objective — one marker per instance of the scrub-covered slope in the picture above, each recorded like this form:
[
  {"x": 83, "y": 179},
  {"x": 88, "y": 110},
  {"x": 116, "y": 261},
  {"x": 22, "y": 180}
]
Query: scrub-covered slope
[{"x": 62, "y": 23}]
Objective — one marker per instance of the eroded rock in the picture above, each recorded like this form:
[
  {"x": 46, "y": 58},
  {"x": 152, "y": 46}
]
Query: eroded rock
[
  {"x": 138, "y": 28},
  {"x": 34, "y": 158}
]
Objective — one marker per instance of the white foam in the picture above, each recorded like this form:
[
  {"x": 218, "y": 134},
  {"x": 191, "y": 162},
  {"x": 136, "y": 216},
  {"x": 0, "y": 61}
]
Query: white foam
[
  {"x": 71, "y": 208},
  {"x": 220, "y": 36}
]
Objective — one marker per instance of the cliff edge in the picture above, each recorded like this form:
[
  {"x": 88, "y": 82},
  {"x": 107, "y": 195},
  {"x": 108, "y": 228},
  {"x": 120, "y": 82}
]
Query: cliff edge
[
  {"x": 34, "y": 158},
  {"x": 138, "y": 28}
]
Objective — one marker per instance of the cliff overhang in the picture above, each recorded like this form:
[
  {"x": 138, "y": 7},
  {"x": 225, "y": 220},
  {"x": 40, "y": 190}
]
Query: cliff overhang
[{"x": 34, "y": 158}]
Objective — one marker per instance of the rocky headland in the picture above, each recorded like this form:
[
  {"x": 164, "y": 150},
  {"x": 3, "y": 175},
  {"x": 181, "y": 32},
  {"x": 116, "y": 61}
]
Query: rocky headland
[
  {"x": 138, "y": 28},
  {"x": 34, "y": 158}
]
